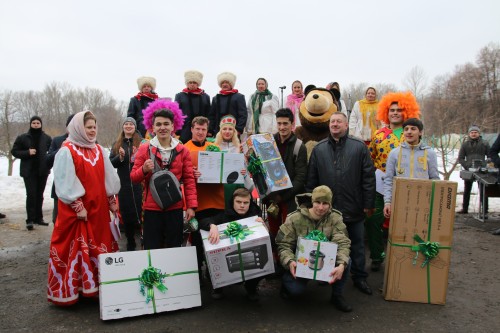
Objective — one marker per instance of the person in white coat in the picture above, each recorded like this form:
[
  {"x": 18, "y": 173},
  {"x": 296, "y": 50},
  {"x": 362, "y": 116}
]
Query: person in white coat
[{"x": 262, "y": 107}]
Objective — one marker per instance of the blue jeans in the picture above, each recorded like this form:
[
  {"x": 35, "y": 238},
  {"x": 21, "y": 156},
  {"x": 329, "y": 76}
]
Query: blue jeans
[
  {"x": 298, "y": 286},
  {"x": 356, "y": 230}
]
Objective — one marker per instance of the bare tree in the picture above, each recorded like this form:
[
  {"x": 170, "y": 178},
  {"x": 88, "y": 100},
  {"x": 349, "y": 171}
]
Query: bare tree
[
  {"x": 416, "y": 82},
  {"x": 9, "y": 127}
]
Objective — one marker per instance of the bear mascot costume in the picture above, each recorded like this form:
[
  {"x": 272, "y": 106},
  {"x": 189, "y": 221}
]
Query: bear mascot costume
[{"x": 314, "y": 113}]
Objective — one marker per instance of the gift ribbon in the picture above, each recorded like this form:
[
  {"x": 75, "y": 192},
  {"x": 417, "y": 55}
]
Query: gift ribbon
[
  {"x": 213, "y": 148},
  {"x": 255, "y": 166},
  {"x": 318, "y": 236},
  {"x": 429, "y": 249},
  {"x": 151, "y": 277},
  {"x": 235, "y": 231}
]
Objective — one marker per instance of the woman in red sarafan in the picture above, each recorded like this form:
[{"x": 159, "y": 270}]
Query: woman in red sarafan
[{"x": 86, "y": 184}]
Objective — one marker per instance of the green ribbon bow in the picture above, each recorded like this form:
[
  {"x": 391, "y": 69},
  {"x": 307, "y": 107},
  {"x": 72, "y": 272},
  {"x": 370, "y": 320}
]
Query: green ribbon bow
[
  {"x": 255, "y": 166},
  {"x": 213, "y": 148},
  {"x": 317, "y": 235},
  {"x": 235, "y": 231},
  {"x": 151, "y": 277},
  {"x": 429, "y": 249}
]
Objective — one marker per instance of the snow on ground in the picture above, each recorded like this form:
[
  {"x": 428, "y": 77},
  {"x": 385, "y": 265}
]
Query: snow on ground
[{"x": 13, "y": 195}]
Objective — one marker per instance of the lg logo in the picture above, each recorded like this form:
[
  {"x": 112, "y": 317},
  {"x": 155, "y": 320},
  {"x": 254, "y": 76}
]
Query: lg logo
[{"x": 110, "y": 261}]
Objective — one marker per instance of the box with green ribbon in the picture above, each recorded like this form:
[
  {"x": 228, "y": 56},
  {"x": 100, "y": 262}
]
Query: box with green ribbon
[
  {"x": 265, "y": 164},
  {"x": 315, "y": 256},
  {"x": 146, "y": 282},
  {"x": 420, "y": 238},
  {"x": 242, "y": 253},
  {"x": 218, "y": 167}
]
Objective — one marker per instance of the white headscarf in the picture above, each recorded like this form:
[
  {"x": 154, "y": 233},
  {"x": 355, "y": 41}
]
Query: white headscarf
[{"x": 76, "y": 131}]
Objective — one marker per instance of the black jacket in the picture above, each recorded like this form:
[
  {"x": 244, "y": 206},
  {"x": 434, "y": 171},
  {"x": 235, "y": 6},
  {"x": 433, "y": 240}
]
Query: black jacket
[
  {"x": 135, "y": 108},
  {"x": 54, "y": 148},
  {"x": 192, "y": 105},
  {"x": 495, "y": 149},
  {"x": 21, "y": 150},
  {"x": 130, "y": 195},
  {"x": 229, "y": 215},
  {"x": 473, "y": 149},
  {"x": 222, "y": 105},
  {"x": 296, "y": 167},
  {"x": 347, "y": 169}
]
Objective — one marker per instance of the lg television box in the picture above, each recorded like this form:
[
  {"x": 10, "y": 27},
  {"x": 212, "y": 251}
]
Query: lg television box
[
  {"x": 423, "y": 213},
  {"x": 274, "y": 176},
  {"x": 124, "y": 289},
  {"x": 315, "y": 260},
  {"x": 235, "y": 260}
]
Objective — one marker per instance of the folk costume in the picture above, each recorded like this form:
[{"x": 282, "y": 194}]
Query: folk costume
[{"x": 85, "y": 179}]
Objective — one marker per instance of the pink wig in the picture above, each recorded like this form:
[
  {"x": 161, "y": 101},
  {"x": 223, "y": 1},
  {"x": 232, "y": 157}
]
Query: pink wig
[{"x": 163, "y": 104}]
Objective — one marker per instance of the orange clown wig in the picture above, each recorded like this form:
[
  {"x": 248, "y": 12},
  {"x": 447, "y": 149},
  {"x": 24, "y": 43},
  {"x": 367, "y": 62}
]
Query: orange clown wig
[{"x": 405, "y": 100}]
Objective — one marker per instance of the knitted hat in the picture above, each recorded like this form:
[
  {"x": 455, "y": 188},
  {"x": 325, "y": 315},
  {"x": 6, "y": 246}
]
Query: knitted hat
[
  {"x": 36, "y": 118},
  {"x": 130, "y": 119},
  {"x": 193, "y": 75},
  {"x": 227, "y": 120},
  {"x": 146, "y": 80},
  {"x": 322, "y": 194},
  {"x": 414, "y": 122},
  {"x": 474, "y": 128},
  {"x": 226, "y": 76}
]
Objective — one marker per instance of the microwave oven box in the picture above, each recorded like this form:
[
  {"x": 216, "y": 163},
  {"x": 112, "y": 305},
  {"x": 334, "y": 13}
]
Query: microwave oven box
[
  {"x": 315, "y": 260},
  {"x": 120, "y": 290},
  {"x": 220, "y": 168},
  {"x": 230, "y": 261},
  {"x": 275, "y": 177},
  {"x": 425, "y": 208}
]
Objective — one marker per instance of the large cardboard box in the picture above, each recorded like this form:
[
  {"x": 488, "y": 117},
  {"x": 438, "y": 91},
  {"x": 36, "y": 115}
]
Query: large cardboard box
[
  {"x": 232, "y": 261},
  {"x": 423, "y": 208},
  {"x": 315, "y": 260},
  {"x": 120, "y": 287},
  {"x": 276, "y": 177},
  {"x": 218, "y": 167}
]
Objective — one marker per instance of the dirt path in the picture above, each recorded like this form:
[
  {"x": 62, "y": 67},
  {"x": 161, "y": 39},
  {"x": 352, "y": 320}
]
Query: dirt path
[{"x": 473, "y": 303}]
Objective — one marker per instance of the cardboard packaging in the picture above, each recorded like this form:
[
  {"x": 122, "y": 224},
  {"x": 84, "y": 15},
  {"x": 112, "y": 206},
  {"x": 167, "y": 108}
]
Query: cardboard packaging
[
  {"x": 275, "y": 177},
  {"x": 218, "y": 167},
  {"x": 315, "y": 260},
  {"x": 422, "y": 209},
  {"x": 232, "y": 261},
  {"x": 120, "y": 289}
]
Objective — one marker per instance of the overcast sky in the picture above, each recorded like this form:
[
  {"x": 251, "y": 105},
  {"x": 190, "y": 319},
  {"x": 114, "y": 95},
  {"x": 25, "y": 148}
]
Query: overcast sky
[{"x": 107, "y": 44}]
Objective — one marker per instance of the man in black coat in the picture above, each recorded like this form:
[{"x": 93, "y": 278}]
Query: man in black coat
[
  {"x": 31, "y": 148},
  {"x": 473, "y": 149},
  {"x": 193, "y": 102},
  {"x": 294, "y": 156},
  {"x": 227, "y": 101},
  {"x": 343, "y": 163},
  {"x": 54, "y": 148},
  {"x": 139, "y": 102}
]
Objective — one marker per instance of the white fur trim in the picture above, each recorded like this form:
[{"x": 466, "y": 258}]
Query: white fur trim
[
  {"x": 146, "y": 80},
  {"x": 226, "y": 76},
  {"x": 193, "y": 75}
]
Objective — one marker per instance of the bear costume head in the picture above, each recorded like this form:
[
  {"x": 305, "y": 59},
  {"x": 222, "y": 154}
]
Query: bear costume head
[{"x": 314, "y": 114}]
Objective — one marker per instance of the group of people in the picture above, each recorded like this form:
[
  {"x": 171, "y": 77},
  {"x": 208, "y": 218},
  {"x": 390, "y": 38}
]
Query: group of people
[{"x": 344, "y": 187}]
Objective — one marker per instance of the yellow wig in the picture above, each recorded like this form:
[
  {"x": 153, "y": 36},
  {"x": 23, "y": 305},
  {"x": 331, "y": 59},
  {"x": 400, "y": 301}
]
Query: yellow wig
[{"x": 405, "y": 100}]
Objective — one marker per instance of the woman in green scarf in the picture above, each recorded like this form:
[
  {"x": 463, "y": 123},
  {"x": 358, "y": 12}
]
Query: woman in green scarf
[{"x": 261, "y": 109}]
